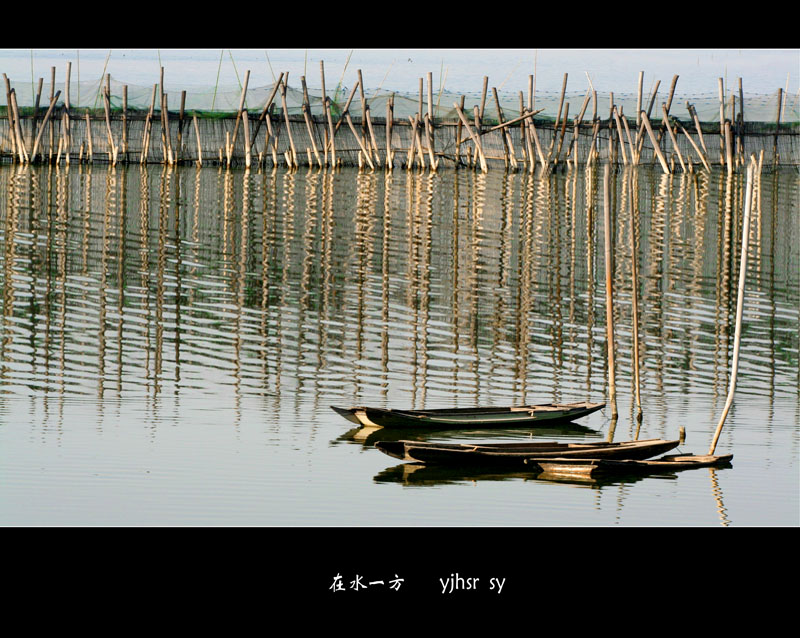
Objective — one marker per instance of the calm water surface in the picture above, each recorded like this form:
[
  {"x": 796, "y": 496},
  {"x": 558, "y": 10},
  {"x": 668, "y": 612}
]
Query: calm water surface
[{"x": 172, "y": 340}]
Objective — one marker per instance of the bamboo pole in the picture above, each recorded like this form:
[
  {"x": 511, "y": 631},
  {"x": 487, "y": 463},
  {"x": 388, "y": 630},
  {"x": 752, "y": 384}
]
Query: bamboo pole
[
  {"x": 632, "y": 193},
  {"x": 147, "y": 125},
  {"x": 721, "y": 121},
  {"x": 293, "y": 151},
  {"x": 324, "y": 110},
  {"x": 89, "y": 137},
  {"x": 307, "y": 116},
  {"x": 739, "y": 302},
  {"x": 267, "y": 104},
  {"x": 639, "y": 100},
  {"x": 66, "y": 116},
  {"x": 475, "y": 138},
  {"x": 728, "y": 147},
  {"x": 558, "y": 119},
  {"x": 621, "y": 136},
  {"x": 358, "y": 139},
  {"x": 459, "y": 126},
  {"x": 612, "y": 388},
  {"x": 695, "y": 147},
  {"x": 50, "y": 129},
  {"x": 21, "y": 150},
  {"x": 36, "y": 110},
  {"x": 181, "y": 114},
  {"x": 239, "y": 111},
  {"x": 47, "y": 115},
  {"x": 389, "y": 118},
  {"x": 10, "y": 115},
  {"x": 508, "y": 151},
  {"x": 246, "y": 132},
  {"x": 429, "y": 124},
  {"x": 777, "y": 127},
  {"x": 657, "y": 150},
  {"x": 199, "y": 145},
  {"x": 165, "y": 136},
  {"x": 125, "y": 121},
  {"x": 372, "y": 142},
  {"x": 112, "y": 149},
  {"x": 429, "y": 132},
  {"x": 672, "y": 137},
  {"x": 561, "y": 135}
]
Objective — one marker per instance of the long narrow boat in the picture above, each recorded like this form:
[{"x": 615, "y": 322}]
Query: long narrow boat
[
  {"x": 595, "y": 466},
  {"x": 519, "y": 453},
  {"x": 442, "y": 418}
]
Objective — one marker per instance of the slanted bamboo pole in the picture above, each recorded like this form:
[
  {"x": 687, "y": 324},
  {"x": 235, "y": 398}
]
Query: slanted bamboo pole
[
  {"x": 621, "y": 136},
  {"x": 509, "y": 151},
  {"x": 657, "y": 150},
  {"x": 51, "y": 128},
  {"x": 739, "y": 302},
  {"x": 458, "y": 135},
  {"x": 558, "y": 119},
  {"x": 475, "y": 139},
  {"x": 21, "y": 150},
  {"x": 434, "y": 163},
  {"x": 246, "y": 132},
  {"x": 36, "y": 110},
  {"x": 307, "y": 116},
  {"x": 46, "y": 119},
  {"x": 359, "y": 140},
  {"x": 242, "y": 97},
  {"x": 147, "y": 125},
  {"x": 372, "y": 142},
  {"x": 612, "y": 387},
  {"x": 695, "y": 147},
  {"x": 429, "y": 124},
  {"x": 10, "y": 115},
  {"x": 199, "y": 143},
  {"x": 293, "y": 151},
  {"x": 89, "y": 137},
  {"x": 672, "y": 137},
  {"x": 112, "y": 149},
  {"x": 267, "y": 105}
]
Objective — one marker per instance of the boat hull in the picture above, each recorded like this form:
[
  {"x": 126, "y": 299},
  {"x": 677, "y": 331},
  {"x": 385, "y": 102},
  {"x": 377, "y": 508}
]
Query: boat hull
[
  {"x": 520, "y": 454},
  {"x": 461, "y": 418}
]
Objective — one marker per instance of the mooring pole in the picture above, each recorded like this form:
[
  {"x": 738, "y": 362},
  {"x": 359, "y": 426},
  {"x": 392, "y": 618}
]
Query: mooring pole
[{"x": 739, "y": 303}]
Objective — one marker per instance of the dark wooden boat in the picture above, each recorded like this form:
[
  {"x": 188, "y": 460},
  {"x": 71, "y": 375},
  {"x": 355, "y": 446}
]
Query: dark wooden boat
[
  {"x": 443, "y": 418},
  {"x": 520, "y": 453},
  {"x": 596, "y": 466}
]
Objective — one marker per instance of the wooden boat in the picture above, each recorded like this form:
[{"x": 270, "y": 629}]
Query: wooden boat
[
  {"x": 595, "y": 466},
  {"x": 519, "y": 453},
  {"x": 443, "y": 418}
]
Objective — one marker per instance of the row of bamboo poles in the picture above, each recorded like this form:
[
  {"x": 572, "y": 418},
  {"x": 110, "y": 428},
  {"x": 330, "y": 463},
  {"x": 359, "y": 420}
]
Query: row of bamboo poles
[{"x": 522, "y": 146}]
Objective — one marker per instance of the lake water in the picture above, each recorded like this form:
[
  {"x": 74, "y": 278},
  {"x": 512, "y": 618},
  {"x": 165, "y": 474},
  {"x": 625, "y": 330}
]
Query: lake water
[{"x": 173, "y": 339}]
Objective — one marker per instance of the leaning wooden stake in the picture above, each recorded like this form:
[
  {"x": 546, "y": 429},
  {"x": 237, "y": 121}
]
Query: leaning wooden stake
[
  {"x": 657, "y": 150},
  {"x": 740, "y": 301},
  {"x": 612, "y": 388},
  {"x": 632, "y": 191},
  {"x": 53, "y": 101}
]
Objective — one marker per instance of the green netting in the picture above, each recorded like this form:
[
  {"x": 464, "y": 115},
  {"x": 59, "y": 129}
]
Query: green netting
[{"x": 223, "y": 100}]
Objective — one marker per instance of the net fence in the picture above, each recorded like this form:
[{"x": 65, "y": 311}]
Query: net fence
[{"x": 221, "y": 101}]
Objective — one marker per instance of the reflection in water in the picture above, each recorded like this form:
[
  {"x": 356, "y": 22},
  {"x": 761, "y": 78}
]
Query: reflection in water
[{"x": 423, "y": 289}]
